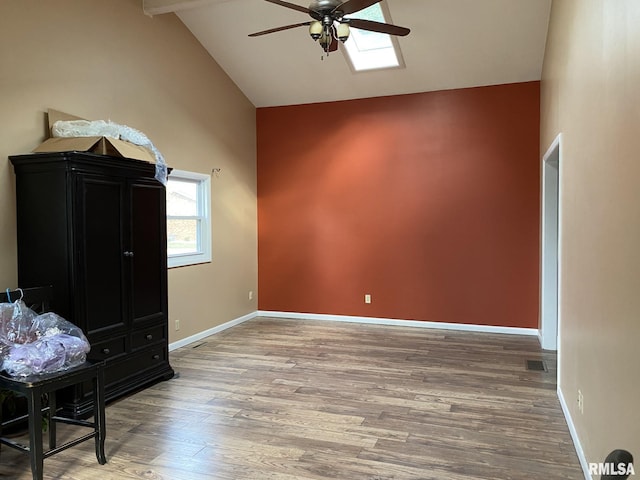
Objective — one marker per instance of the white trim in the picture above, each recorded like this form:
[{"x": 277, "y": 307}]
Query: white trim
[
  {"x": 399, "y": 323},
  {"x": 550, "y": 259},
  {"x": 211, "y": 331},
  {"x": 574, "y": 436},
  {"x": 560, "y": 197}
]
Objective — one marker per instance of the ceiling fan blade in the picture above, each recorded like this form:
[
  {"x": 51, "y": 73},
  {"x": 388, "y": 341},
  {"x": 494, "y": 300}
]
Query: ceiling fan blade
[
  {"x": 378, "y": 27},
  {"x": 289, "y": 5},
  {"x": 279, "y": 29},
  {"x": 352, "y": 6}
]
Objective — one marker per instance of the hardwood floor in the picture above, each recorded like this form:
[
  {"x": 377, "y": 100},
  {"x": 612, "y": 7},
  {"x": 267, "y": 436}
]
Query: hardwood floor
[{"x": 289, "y": 400}]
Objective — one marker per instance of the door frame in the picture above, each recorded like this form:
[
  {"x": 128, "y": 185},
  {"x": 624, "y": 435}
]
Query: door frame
[{"x": 551, "y": 241}]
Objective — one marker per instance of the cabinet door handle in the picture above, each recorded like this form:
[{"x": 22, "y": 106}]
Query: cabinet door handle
[
  {"x": 106, "y": 351},
  {"x": 128, "y": 254},
  {"x": 149, "y": 337},
  {"x": 156, "y": 357}
]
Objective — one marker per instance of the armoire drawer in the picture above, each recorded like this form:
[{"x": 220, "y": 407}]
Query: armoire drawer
[
  {"x": 147, "y": 336},
  {"x": 108, "y": 349},
  {"x": 142, "y": 360}
]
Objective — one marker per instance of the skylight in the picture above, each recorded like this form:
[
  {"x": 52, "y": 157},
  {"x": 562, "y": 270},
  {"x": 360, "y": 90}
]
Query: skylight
[{"x": 372, "y": 50}]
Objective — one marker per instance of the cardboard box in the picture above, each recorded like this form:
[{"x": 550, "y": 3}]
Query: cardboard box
[{"x": 100, "y": 145}]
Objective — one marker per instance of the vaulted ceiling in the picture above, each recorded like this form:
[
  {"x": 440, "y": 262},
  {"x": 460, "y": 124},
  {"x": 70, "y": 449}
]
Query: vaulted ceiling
[{"x": 452, "y": 44}]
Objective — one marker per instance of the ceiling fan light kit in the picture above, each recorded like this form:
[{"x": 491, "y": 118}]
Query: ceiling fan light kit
[
  {"x": 329, "y": 25},
  {"x": 315, "y": 30},
  {"x": 343, "y": 32}
]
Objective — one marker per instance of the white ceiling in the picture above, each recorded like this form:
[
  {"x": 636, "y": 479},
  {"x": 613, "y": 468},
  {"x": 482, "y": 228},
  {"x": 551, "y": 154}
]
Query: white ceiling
[{"x": 452, "y": 44}]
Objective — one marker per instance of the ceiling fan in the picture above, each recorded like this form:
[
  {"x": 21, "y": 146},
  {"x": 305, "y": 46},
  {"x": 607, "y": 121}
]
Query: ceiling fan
[{"x": 330, "y": 24}]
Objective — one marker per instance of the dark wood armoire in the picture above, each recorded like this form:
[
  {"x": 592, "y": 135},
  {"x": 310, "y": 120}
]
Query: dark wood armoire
[{"x": 94, "y": 227}]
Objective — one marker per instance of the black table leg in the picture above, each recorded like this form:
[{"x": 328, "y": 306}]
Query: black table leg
[
  {"x": 99, "y": 415},
  {"x": 51, "y": 424},
  {"x": 35, "y": 433}
]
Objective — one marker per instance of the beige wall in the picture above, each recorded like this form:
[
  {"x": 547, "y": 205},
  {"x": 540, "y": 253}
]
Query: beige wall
[
  {"x": 107, "y": 60},
  {"x": 590, "y": 93}
]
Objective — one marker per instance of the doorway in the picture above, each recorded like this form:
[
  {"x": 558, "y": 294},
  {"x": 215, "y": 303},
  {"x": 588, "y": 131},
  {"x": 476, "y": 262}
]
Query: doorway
[{"x": 550, "y": 275}]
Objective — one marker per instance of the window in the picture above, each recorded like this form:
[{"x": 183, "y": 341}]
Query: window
[
  {"x": 188, "y": 218},
  {"x": 372, "y": 50}
]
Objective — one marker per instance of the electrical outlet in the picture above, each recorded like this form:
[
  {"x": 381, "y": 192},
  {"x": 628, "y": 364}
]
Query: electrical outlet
[
  {"x": 250, "y": 294},
  {"x": 177, "y": 324},
  {"x": 367, "y": 298},
  {"x": 580, "y": 401}
]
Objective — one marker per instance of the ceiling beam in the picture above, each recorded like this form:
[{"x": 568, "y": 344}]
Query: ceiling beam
[{"x": 158, "y": 7}]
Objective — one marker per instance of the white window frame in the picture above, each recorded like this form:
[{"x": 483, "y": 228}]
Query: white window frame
[{"x": 203, "y": 217}]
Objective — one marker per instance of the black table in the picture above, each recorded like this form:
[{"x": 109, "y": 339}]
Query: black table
[{"x": 33, "y": 388}]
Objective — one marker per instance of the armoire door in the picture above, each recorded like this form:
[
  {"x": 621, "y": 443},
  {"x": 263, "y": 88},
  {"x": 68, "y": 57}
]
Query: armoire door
[
  {"x": 149, "y": 258},
  {"x": 101, "y": 270}
]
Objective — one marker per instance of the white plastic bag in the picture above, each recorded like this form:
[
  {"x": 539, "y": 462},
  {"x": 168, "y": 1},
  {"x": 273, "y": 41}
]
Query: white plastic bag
[{"x": 32, "y": 344}]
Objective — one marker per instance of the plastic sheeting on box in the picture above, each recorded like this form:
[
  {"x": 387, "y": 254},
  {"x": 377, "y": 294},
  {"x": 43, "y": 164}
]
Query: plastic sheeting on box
[
  {"x": 87, "y": 128},
  {"x": 32, "y": 344}
]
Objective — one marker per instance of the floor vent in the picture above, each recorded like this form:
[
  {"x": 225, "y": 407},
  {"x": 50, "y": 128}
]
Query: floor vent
[{"x": 536, "y": 365}]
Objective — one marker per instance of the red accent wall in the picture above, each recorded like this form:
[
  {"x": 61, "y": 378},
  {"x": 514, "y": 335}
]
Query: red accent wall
[{"x": 429, "y": 202}]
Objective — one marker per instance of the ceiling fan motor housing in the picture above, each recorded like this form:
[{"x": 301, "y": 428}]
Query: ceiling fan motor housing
[
  {"x": 324, "y": 6},
  {"x": 326, "y": 11}
]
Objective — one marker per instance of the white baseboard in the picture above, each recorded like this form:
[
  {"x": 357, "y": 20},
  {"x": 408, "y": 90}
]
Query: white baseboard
[
  {"x": 574, "y": 436},
  {"x": 399, "y": 323},
  {"x": 211, "y": 331}
]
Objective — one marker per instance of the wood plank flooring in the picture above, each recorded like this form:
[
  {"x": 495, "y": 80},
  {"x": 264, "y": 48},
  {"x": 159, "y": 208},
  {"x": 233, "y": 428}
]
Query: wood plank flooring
[{"x": 290, "y": 400}]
